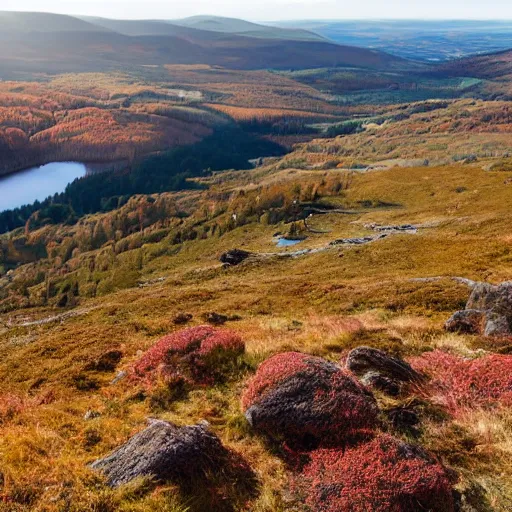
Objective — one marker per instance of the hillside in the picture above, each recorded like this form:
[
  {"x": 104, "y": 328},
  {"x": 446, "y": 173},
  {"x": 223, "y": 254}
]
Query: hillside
[
  {"x": 100, "y": 44},
  {"x": 26, "y": 22},
  {"x": 284, "y": 288},
  {"x": 242, "y": 27},
  {"x": 374, "y": 269},
  {"x": 491, "y": 66}
]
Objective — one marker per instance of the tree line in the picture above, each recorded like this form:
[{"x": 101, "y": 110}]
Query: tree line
[{"x": 229, "y": 147}]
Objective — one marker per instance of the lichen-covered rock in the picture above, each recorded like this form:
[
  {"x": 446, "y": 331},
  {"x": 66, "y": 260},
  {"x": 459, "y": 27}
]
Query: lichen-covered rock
[
  {"x": 382, "y": 475},
  {"x": 234, "y": 257},
  {"x": 488, "y": 311},
  {"x": 164, "y": 452},
  {"x": 467, "y": 321},
  {"x": 200, "y": 354},
  {"x": 379, "y": 371},
  {"x": 307, "y": 402}
]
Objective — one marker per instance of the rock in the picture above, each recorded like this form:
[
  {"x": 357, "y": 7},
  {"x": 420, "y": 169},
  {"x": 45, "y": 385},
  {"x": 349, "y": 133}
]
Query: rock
[
  {"x": 493, "y": 304},
  {"x": 468, "y": 321},
  {"x": 367, "y": 363},
  {"x": 91, "y": 415},
  {"x": 106, "y": 362},
  {"x": 182, "y": 318},
  {"x": 377, "y": 381},
  {"x": 307, "y": 402},
  {"x": 235, "y": 257},
  {"x": 215, "y": 318},
  {"x": 381, "y": 475},
  {"x": 166, "y": 453}
]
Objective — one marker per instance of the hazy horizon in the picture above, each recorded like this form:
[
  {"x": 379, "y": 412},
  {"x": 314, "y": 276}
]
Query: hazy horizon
[{"x": 275, "y": 10}]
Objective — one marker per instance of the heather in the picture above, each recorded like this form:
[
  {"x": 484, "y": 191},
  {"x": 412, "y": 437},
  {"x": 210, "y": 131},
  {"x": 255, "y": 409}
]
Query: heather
[
  {"x": 383, "y": 475},
  {"x": 460, "y": 384},
  {"x": 199, "y": 354}
]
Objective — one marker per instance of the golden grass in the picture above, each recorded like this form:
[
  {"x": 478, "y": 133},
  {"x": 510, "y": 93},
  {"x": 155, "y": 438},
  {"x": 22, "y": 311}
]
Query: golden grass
[{"x": 324, "y": 303}]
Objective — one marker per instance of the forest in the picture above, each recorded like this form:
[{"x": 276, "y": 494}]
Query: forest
[{"x": 229, "y": 147}]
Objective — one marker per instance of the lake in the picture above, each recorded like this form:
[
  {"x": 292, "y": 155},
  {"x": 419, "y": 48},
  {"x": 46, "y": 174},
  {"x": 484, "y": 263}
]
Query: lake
[
  {"x": 38, "y": 183},
  {"x": 284, "y": 242}
]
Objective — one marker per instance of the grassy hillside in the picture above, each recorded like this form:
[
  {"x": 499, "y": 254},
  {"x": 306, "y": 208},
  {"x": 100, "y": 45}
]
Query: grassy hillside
[{"x": 116, "y": 281}]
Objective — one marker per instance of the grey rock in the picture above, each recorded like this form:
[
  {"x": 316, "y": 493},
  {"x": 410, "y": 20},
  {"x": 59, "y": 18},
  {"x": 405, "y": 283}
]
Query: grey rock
[
  {"x": 467, "y": 321},
  {"x": 317, "y": 405},
  {"x": 165, "y": 452},
  {"x": 365, "y": 360},
  {"x": 493, "y": 304}
]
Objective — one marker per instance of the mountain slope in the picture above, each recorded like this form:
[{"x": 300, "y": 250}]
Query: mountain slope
[
  {"x": 100, "y": 44},
  {"x": 23, "y": 22},
  {"x": 242, "y": 27},
  {"x": 490, "y": 66}
]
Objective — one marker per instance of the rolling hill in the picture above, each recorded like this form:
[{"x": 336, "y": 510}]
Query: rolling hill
[
  {"x": 489, "y": 66},
  {"x": 94, "y": 44},
  {"x": 26, "y": 22},
  {"x": 246, "y": 28}
]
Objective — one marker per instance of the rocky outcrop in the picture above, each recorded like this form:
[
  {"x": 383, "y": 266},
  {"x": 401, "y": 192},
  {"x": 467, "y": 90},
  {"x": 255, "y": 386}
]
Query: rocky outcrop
[
  {"x": 488, "y": 311},
  {"x": 234, "y": 257},
  {"x": 166, "y": 453},
  {"x": 379, "y": 371},
  {"x": 307, "y": 402}
]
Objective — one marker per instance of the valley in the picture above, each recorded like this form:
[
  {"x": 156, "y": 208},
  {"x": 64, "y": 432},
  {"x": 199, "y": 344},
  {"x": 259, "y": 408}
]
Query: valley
[{"x": 278, "y": 279}]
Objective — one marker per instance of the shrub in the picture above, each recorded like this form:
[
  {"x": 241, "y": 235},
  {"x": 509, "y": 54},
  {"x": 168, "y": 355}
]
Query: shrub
[
  {"x": 383, "y": 475},
  {"x": 307, "y": 401},
  {"x": 200, "y": 354},
  {"x": 462, "y": 383}
]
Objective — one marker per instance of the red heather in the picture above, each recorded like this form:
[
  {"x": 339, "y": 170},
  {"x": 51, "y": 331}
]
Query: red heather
[
  {"x": 272, "y": 372},
  {"x": 463, "y": 383},
  {"x": 383, "y": 475},
  {"x": 198, "y": 353}
]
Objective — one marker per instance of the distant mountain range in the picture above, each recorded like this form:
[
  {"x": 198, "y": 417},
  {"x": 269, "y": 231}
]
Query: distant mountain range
[{"x": 53, "y": 43}]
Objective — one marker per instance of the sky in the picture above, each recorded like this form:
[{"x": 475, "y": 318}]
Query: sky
[{"x": 272, "y": 10}]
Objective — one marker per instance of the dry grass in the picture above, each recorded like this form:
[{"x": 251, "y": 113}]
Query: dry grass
[{"x": 324, "y": 303}]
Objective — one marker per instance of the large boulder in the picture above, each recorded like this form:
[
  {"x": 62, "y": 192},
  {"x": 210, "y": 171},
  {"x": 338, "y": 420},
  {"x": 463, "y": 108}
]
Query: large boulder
[
  {"x": 164, "y": 452},
  {"x": 380, "y": 371},
  {"x": 381, "y": 475},
  {"x": 488, "y": 311},
  {"x": 201, "y": 355},
  {"x": 234, "y": 257},
  {"x": 308, "y": 402}
]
